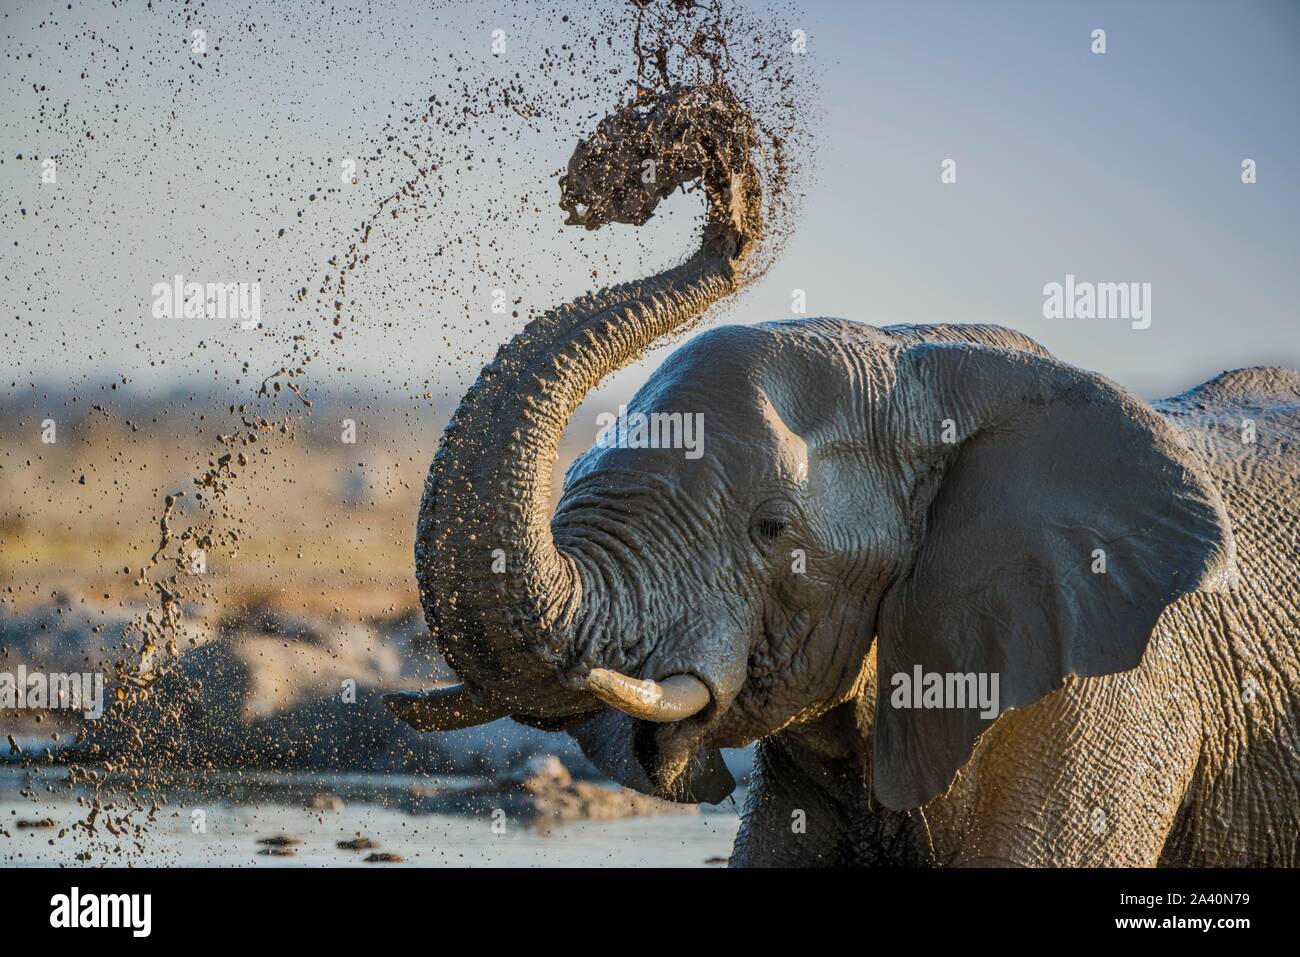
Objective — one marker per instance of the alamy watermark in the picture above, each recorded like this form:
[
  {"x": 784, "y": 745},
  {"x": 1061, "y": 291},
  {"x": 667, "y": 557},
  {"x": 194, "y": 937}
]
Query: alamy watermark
[
  {"x": 74, "y": 909},
  {"x": 656, "y": 430},
  {"x": 1098, "y": 300},
  {"x": 947, "y": 690},
  {"x": 39, "y": 691},
  {"x": 179, "y": 299}
]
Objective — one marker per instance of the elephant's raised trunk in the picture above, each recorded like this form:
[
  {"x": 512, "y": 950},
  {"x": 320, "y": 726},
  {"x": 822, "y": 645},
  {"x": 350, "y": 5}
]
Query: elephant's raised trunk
[{"x": 502, "y": 601}]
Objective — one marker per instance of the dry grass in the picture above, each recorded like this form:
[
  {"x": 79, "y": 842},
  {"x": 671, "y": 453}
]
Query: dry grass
[{"x": 324, "y": 526}]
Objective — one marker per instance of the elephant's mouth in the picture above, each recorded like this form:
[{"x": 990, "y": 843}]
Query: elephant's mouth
[
  {"x": 661, "y": 750},
  {"x": 668, "y": 767},
  {"x": 717, "y": 699}
]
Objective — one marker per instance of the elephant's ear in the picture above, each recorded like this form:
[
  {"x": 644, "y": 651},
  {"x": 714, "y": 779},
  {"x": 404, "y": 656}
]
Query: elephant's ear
[{"x": 1060, "y": 516}]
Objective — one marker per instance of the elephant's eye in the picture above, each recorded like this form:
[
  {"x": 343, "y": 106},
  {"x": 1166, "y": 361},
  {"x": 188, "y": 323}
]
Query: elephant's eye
[{"x": 771, "y": 520}]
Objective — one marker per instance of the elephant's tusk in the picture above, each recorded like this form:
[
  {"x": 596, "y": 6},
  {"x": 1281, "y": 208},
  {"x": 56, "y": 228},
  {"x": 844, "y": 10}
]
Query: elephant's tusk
[
  {"x": 442, "y": 709},
  {"x": 673, "y": 699}
]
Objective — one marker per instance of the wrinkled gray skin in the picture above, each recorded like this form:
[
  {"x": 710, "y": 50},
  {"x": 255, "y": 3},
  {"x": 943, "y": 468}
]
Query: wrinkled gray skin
[
  {"x": 974, "y": 555},
  {"x": 870, "y": 500},
  {"x": 970, "y": 556}
]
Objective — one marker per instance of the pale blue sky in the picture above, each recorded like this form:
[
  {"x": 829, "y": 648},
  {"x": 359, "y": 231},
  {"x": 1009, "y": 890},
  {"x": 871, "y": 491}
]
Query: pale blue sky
[{"x": 1116, "y": 167}]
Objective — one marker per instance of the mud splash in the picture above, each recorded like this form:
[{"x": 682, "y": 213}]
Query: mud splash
[{"x": 646, "y": 53}]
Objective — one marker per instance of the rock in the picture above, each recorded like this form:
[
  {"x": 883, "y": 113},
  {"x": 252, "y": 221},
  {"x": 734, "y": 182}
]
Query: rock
[
  {"x": 303, "y": 695},
  {"x": 544, "y": 792},
  {"x": 357, "y": 844},
  {"x": 538, "y": 773},
  {"x": 325, "y": 802},
  {"x": 279, "y": 840}
]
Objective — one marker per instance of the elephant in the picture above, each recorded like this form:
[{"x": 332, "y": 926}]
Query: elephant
[{"x": 976, "y": 606}]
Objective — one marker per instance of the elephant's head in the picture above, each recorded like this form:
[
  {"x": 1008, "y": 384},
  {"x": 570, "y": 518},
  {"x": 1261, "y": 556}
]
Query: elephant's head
[
  {"x": 947, "y": 490},
  {"x": 977, "y": 505}
]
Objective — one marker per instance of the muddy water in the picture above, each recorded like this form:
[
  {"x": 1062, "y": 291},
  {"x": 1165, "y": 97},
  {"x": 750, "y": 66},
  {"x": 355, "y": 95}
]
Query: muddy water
[{"x": 233, "y": 829}]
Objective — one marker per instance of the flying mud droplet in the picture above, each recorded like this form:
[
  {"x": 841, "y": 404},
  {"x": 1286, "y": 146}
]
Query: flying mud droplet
[{"x": 431, "y": 183}]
